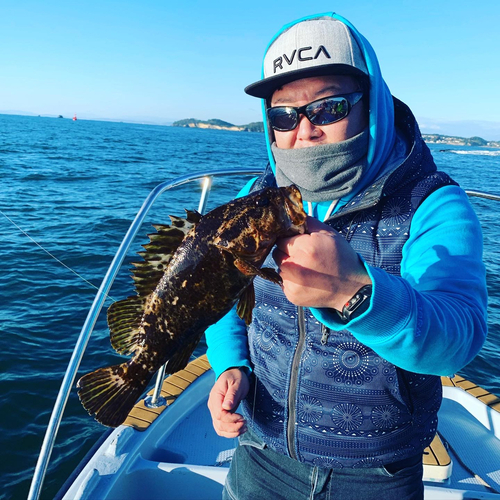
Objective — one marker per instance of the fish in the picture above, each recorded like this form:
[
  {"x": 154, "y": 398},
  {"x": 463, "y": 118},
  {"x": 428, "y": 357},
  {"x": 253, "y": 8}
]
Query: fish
[{"x": 192, "y": 273}]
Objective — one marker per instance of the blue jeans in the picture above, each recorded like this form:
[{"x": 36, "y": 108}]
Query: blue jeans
[{"x": 259, "y": 473}]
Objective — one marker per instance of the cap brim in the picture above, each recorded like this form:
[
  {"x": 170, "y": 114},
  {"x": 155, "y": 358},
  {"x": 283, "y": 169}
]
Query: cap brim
[{"x": 264, "y": 88}]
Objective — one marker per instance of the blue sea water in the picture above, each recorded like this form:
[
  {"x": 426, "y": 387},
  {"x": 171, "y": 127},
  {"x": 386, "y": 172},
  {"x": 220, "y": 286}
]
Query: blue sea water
[{"x": 74, "y": 187}]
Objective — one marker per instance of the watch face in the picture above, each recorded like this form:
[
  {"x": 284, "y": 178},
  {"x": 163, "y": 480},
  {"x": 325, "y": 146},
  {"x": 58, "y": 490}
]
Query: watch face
[
  {"x": 351, "y": 306},
  {"x": 358, "y": 304}
]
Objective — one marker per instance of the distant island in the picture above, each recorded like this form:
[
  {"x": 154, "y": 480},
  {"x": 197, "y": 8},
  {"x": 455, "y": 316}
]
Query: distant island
[
  {"x": 219, "y": 125},
  {"x": 259, "y": 127},
  {"x": 459, "y": 141}
]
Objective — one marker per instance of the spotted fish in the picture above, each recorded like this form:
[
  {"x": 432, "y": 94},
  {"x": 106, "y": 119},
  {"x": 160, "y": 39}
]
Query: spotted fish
[{"x": 215, "y": 259}]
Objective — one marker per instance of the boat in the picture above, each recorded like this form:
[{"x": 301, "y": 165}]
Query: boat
[
  {"x": 74, "y": 117},
  {"x": 167, "y": 447}
]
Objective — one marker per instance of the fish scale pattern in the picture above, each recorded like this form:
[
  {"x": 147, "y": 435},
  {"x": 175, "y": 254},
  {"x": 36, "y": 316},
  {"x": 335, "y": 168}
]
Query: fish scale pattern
[{"x": 349, "y": 407}]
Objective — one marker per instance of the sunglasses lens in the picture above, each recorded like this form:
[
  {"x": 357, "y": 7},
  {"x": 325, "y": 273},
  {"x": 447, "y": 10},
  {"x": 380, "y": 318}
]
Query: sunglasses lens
[
  {"x": 326, "y": 111},
  {"x": 321, "y": 112},
  {"x": 282, "y": 118}
]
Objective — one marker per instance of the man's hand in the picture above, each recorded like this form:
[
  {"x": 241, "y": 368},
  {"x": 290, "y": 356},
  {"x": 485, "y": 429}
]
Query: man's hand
[
  {"x": 229, "y": 389},
  {"x": 319, "y": 269}
]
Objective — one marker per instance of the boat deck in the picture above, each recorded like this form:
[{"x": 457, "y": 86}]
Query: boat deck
[
  {"x": 141, "y": 417},
  {"x": 186, "y": 457}
]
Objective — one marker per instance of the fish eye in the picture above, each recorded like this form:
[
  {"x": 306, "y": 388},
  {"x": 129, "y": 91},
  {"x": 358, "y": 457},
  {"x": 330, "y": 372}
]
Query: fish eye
[{"x": 262, "y": 202}]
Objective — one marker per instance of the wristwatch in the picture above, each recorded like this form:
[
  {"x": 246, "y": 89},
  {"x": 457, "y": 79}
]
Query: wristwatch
[{"x": 357, "y": 305}]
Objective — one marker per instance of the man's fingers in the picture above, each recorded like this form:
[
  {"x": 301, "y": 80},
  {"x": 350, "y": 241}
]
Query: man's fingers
[
  {"x": 283, "y": 245},
  {"x": 315, "y": 226},
  {"x": 230, "y": 418},
  {"x": 279, "y": 256},
  {"x": 231, "y": 431},
  {"x": 229, "y": 424},
  {"x": 215, "y": 401},
  {"x": 231, "y": 401},
  {"x": 229, "y": 389}
]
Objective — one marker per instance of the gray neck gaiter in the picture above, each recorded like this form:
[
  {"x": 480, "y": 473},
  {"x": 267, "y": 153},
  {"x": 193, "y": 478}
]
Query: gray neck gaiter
[{"x": 325, "y": 172}]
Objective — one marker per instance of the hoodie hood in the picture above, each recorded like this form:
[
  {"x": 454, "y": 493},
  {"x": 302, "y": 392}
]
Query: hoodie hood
[{"x": 382, "y": 132}]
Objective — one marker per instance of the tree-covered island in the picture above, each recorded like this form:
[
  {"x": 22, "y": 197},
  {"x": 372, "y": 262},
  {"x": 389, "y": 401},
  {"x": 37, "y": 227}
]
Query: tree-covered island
[{"x": 219, "y": 125}]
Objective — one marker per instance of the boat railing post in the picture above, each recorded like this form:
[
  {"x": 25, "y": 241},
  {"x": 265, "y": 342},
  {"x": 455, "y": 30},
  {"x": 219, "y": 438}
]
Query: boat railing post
[
  {"x": 207, "y": 186},
  {"x": 155, "y": 401}
]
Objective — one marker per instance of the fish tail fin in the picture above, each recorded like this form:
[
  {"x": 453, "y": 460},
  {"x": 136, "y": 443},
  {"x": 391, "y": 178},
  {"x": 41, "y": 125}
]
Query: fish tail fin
[{"x": 110, "y": 393}]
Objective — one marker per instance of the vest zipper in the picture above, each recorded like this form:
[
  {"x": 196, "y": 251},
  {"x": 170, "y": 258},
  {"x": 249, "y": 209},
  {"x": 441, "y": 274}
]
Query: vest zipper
[
  {"x": 292, "y": 391},
  {"x": 325, "y": 333}
]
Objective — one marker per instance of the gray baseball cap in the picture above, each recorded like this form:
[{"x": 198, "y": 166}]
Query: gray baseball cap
[{"x": 313, "y": 47}]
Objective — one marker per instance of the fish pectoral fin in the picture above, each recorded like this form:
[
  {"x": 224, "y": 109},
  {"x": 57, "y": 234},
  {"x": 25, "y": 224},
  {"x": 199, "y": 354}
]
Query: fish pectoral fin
[
  {"x": 271, "y": 275},
  {"x": 124, "y": 321},
  {"x": 246, "y": 267},
  {"x": 246, "y": 304},
  {"x": 266, "y": 273}
]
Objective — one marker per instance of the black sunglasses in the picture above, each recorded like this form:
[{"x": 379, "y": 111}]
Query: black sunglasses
[{"x": 321, "y": 112}]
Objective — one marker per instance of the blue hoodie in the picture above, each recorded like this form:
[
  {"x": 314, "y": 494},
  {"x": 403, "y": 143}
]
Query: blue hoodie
[{"x": 431, "y": 319}]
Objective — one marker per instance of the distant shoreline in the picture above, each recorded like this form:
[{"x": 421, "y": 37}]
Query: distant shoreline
[
  {"x": 259, "y": 127},
  {"x": 215, "y": 124}
]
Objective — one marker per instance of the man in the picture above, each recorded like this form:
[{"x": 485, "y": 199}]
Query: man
[{"x": 338, "y": 374}]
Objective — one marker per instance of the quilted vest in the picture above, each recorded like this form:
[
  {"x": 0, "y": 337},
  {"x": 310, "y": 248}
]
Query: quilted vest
[{"x": 321, "y": 396}]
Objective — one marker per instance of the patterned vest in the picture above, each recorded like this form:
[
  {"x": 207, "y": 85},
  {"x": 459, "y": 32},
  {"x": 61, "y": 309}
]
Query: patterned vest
[{"x": 323, "y": 397}]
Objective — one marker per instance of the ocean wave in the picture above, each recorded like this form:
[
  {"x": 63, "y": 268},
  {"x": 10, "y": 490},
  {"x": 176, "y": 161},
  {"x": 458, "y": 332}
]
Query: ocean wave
[
  {"x": 36, "y": 177},
  {"x": 473, "y": 152}
]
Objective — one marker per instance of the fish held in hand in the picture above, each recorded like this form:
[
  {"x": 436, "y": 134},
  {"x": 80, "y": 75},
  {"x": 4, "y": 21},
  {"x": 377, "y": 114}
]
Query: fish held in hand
[{"x": 194, "y": 271}]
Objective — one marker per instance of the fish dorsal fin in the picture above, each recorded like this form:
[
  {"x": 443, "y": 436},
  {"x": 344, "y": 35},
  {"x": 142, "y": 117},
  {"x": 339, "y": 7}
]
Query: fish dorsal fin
[
  {"x": 125, "y": 316},
  {"x": 158, "y": 252},
  {"x": 124, "y": 321},
  {"x": 193, "y": 216}
]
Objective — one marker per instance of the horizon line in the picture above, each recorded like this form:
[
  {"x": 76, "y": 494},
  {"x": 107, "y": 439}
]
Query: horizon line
[{"x": 169, "y": 123}]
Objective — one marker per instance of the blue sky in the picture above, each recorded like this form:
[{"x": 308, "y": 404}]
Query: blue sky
[{"x": 160, "y": 61}]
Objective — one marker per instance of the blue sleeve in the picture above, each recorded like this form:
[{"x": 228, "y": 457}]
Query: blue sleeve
[
  {"x": 227, "y": 343},
  {"x": 431, "y": 319},
  {"x": 227, "y": 339}
]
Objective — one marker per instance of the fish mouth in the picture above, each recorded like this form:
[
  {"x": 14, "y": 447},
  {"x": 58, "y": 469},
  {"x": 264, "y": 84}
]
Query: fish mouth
[{"x": 294, "y": 209}]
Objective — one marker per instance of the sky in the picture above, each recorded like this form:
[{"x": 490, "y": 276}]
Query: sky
[{"x": 158, "y": 61}]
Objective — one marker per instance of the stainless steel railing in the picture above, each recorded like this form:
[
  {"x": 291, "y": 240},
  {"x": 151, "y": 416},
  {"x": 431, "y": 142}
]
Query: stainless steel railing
[
  {"x": 482, "y": 194},
  {"x": 88, "y": 327},
  {"x": 95, "y": 309}
]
